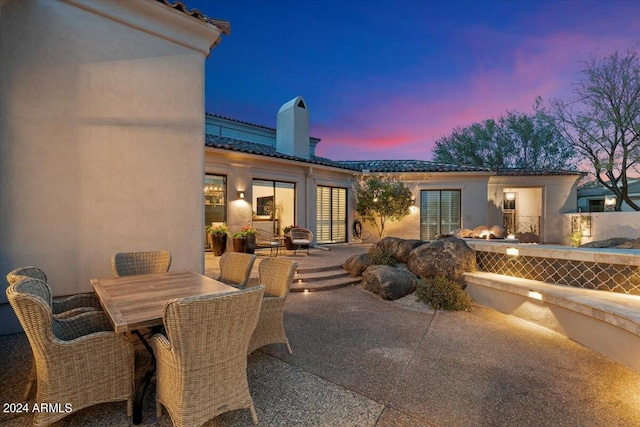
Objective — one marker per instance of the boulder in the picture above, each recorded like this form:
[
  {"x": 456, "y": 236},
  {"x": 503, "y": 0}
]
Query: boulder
[
  {"x": 527, "y": 237},
  {"x": 404, "y": 248},
  {"x": 387, "y": 244},
  {"x": 498, "y": 232},
  {"x": 444, "y": 257},
  {"x": 463, "y": 233},
  {"x": 356, "y": 264},
  {"x": 389, "y": 283},
  {"x": 616, "y": 242}
]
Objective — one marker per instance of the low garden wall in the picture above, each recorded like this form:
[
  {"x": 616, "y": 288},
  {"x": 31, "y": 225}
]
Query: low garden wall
[{"x": 615, "y": 270}]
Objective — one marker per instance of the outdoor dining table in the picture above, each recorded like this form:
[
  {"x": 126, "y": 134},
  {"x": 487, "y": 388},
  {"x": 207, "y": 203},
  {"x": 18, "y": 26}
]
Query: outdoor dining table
[{"x": 137, "y": 302}]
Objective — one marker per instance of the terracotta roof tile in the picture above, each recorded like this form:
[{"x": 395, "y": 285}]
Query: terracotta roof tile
[
  {"x": 535, "y": 172},
  {"x": 408, "y": 166},
  {"x": 223, "y": 26}
]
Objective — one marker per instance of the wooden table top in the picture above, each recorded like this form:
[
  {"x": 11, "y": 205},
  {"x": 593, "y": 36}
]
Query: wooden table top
[{"x": 135, "y": 302}]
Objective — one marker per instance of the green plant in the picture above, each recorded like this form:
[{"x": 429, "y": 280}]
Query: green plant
[
  {"x": 575, "y": 238},
  {"x": 382, "y": 198},
  {"x": 288, "y": 228},
  {"x": 443, "y": 294},
  {"x": 248, "y": 230},
  {"x": 218, "y": 229},
  {"x": 240, "y": 235},
  {"x": 379, "y": 256}
]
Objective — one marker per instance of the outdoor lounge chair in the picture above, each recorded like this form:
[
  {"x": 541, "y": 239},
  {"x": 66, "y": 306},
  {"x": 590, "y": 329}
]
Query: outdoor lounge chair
[
  {"x": 276, "y": 276},
  {"x": 79, "y": 362},
  {"x": 301, "y": 237},
  {"x": 235, "y": 268},
  {"x": 267, "y": 239},
  {"x": 61, "y": 308},
  {"x": 202, "y": 360},
  {"x": 134, "y": 263}
]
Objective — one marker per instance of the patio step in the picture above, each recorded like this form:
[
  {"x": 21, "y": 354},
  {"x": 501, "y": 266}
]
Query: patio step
[{"x": 322, "y": 279}]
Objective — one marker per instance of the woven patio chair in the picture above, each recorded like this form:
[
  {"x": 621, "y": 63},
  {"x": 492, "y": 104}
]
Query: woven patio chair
[
  {"x": 61, "y": 308},
  {"x": 276, "y": 276},
  {"x": 301, "y": 237},
  {"x": 235, "y": 268},
  {"x": 78, "y": 362},
  {"x": 134, "y": 263},
  {"x": 202, "y": 361}
]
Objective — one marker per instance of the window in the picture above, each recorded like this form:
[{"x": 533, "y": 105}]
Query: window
[
  {"x": 215, "y": 196},
  {"x": 596, "y": 205},
  {"x": 273, "y": 205},
  {"x": 332, "y": 215},
  {"x": 439, "y": 212}
]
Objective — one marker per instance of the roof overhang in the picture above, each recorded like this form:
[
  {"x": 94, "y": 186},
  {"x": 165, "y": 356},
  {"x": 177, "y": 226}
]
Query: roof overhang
[{"x": 161, "y": 20}]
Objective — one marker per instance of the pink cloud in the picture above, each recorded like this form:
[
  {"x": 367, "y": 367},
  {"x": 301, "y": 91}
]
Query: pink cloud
[{"x": 405, "y": 124}]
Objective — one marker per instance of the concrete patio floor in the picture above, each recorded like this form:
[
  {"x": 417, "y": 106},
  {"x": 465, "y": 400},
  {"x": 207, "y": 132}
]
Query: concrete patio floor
[{"x": 360, "y": 361}]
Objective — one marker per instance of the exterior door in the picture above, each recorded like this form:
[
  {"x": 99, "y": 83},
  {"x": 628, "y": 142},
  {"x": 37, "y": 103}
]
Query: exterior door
[{"x": 332, "y": 215}]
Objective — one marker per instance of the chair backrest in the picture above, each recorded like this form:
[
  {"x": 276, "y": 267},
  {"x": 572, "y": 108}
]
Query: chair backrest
[
  {"x": 276, "y": 275},
  {"x": 207, "y": 330},
  {"x": 266, "y": 238},
  {"x": 235, "y": 268},
  {"x": 301, "y": 234},
  {"x": 134, "y": 263},
  {"x": 22, "y": 272},
  {"x": 30, "y": 298}
]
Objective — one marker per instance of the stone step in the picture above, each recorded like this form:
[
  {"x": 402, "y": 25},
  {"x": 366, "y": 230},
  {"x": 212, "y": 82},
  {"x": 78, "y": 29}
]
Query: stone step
[
  {"x": 319, "y": 269},
  {"x": 319, "y": 276},
  {"x": 324, "y": 285}
]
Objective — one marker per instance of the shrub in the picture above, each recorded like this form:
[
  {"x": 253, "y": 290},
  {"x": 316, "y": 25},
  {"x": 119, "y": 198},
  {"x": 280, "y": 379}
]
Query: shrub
[
  {"x": 380, "y": 256},
  {"x": 443, "y": 294}
]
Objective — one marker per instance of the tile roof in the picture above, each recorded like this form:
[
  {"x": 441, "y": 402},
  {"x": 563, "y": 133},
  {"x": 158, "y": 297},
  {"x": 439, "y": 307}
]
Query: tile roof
[
  {"x": 408, "y": 166},
  {"x": 535, "y": 172},
  {"x": 249, "y": 123},
  {"x": 232, "y": 144},
  {"x": 223, "y": 26}
]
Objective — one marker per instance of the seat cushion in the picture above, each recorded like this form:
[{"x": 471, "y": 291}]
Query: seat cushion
[{"x": 301, "y": 241}]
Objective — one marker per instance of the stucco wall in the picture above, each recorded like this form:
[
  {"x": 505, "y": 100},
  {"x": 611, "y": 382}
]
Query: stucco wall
[
  {"x": 101, "y": 144},
  {"x": 473, "y": 204},
  {"x": 606, "y": 225}
]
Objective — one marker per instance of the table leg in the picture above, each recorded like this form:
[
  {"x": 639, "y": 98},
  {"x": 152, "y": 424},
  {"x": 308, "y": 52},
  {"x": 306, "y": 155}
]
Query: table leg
[{"x": 144, "y": 383}]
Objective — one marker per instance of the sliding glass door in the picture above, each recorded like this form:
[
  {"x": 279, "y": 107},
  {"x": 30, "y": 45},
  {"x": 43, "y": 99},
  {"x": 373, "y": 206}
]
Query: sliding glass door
[
  {"x": 332, "y": 215},
  {"x": 439, "y": 212}
]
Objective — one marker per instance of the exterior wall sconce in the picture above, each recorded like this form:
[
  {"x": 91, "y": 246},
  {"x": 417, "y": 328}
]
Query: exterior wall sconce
[
  {"x": 241, "y": 195},
  {"x": 510, "y": 195}
]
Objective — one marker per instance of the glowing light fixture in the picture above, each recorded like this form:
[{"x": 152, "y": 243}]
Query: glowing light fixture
[
  {"x": 241, "y": 195},
  {"x": 510, "y": 195},
  {"x": 535, "y": 295},
  {"x": 511, "y": 236},
  {"x": 513, "y": 251}
]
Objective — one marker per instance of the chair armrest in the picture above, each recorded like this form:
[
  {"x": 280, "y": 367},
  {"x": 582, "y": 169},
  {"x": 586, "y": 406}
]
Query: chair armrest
[
  {"x": 253, "y": 282},
  {"x": 75, "y": 301},
  {"x": 82, "y": 324},
  {"x": 159, "y": 340}
]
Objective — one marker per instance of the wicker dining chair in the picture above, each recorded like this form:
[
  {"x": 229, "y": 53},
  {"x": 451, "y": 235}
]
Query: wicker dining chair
[
  {"x": 79, "y": 362},
  {"x": 134, "y": 263},
  {"x": 62, "y": 308},
  {"x": 301, "y": 237},
  {"x": 202, "y": 361},
  {"x": 235, "y": 268},
  {"x": 276, "y": 276}
]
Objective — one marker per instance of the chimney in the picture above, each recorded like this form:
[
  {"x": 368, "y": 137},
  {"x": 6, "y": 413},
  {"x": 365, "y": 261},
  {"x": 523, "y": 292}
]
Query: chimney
[{"x": 292, "y": 130}]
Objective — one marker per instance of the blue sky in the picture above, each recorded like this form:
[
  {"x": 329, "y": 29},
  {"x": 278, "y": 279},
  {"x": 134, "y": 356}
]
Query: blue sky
[{"x": 385, "y": 79}]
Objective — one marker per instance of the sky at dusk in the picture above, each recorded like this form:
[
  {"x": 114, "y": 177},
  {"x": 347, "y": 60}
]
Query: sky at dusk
[{"x": 385, "y": 79}]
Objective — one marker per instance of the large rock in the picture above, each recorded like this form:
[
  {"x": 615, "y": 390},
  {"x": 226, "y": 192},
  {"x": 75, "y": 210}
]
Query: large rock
[
  {"x": 616, "y": 242},
  {"x": 398, "y": 248},
  {"x": 388, "y": 282},
  {"x": 444, "y": 257},
  {"x": 356, "y": 264}
]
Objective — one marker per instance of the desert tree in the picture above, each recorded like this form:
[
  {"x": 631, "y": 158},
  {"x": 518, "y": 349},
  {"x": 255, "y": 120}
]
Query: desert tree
[
  {"x": 601, "y": 119},
  {"x": 515, "y": 140},
  {"x": 382, "y": 198}
]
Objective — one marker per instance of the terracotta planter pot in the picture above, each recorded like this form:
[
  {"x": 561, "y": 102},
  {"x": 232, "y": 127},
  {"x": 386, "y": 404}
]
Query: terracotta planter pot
[
  {"x": 238, "y": 244},
  {"x": 250, "y": 244},
  {"x": 219, "y": 245}
]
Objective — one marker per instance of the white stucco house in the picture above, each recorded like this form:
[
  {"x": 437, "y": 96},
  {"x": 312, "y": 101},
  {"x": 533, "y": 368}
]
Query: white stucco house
[{"x": 279, "y": 167}]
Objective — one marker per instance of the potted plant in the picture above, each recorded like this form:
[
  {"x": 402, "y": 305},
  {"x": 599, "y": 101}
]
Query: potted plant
[
  {"x": 239, "y": 241},
  {"x": 218, "y": 238},
  {"x": 249, "y": 239},
  {"x": 287, "y": 238}
]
